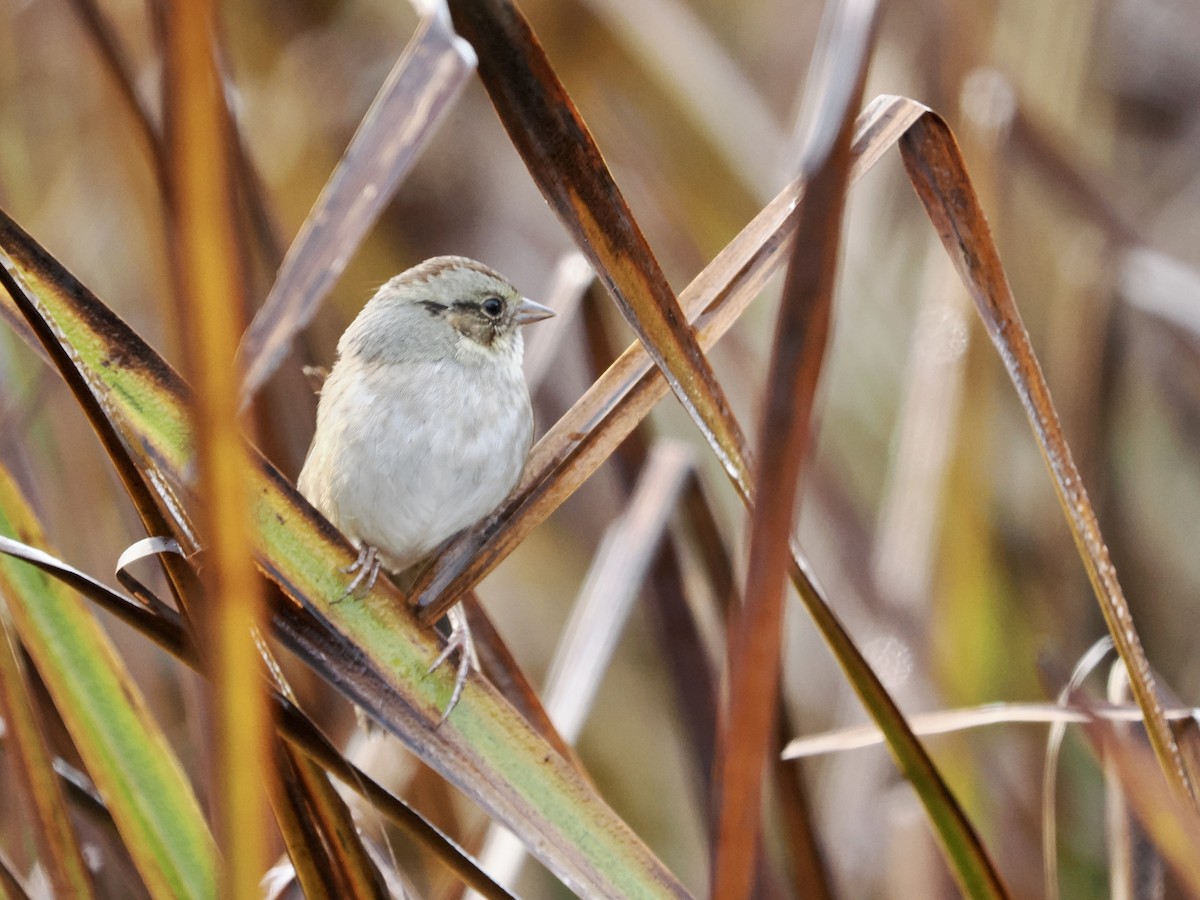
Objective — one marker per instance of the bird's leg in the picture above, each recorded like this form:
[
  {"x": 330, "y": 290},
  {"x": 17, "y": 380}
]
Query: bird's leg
[
  {"x": 460, "y": 639},
  {"x": 366, "y": 566}
]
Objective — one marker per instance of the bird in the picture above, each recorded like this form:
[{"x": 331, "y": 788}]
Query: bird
[{"x": 424, "y": 422}]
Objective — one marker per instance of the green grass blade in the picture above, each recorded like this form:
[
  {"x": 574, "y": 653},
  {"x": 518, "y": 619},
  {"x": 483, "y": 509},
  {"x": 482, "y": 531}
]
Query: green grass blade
[{"x": 127, "y": 756}]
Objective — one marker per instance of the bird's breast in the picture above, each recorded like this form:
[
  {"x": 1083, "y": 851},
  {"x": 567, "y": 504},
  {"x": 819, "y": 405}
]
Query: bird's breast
[{"x": 424, "y": 450}]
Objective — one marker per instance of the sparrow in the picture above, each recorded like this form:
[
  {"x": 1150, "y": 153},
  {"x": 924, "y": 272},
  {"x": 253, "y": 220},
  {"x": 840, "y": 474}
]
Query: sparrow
[{"x": 424, "y": 422}]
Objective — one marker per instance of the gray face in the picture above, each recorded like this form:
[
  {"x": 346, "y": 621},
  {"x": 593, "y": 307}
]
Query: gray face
[{"x": 432, "y": 311}]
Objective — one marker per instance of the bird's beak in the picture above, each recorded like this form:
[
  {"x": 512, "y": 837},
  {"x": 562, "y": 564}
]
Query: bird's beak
[{"x": 529, "y": 311}]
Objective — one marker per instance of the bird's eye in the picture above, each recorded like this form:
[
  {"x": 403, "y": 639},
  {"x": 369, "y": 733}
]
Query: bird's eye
[{"x": 492, "y": 306}]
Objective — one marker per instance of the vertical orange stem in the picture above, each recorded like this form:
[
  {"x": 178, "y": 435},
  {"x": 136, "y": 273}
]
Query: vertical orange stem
[{"x": 209, "y": 285}]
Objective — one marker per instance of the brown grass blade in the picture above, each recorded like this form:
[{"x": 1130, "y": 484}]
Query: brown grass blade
[
  {"x": 969, "y": 859},
  {"x": 320, "y": 832},
  {"x": 590, "y": 431},
  {"x": 624, "y": 395},
  {"x": 307, "y": 857},
  {"x": 938, "y": 172},
  {"x": 327, "y": 830},
  {"x": 809, "y": 866},
  {"x": 696, "y": 664},
  {"x": 567, "y": 166},
  {"x": 418, "y": 92},
  {"x": 613, "y": 406},
  {"x": 802, "y": 328}
]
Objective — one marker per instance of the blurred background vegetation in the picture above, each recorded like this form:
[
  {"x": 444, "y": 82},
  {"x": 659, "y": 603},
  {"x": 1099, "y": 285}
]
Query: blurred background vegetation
[{"x": 927, "y": 514}]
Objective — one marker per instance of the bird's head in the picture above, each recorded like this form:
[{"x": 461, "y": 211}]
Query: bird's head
[{"x": 446, "y": 306}]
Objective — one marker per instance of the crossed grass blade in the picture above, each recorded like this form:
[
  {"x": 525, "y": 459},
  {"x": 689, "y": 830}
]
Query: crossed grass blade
[
  {"x": 623, "y": 396},
  {"x": 675, "y": 611},
  {"x": 589, "y": 432},
  {"x": 612, "y": 407},
  {"x": 371, "y": 648}
]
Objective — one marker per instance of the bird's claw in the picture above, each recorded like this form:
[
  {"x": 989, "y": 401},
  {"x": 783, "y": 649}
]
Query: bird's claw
[
  {"x": 460, "y": 640},
  {"x": 366, "y": 566}
]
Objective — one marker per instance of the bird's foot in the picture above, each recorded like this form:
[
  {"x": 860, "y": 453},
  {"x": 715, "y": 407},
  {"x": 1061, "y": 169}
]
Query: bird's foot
[
  {"x": 460, "y": 640},
  {"x": 365, "y": 568}
]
